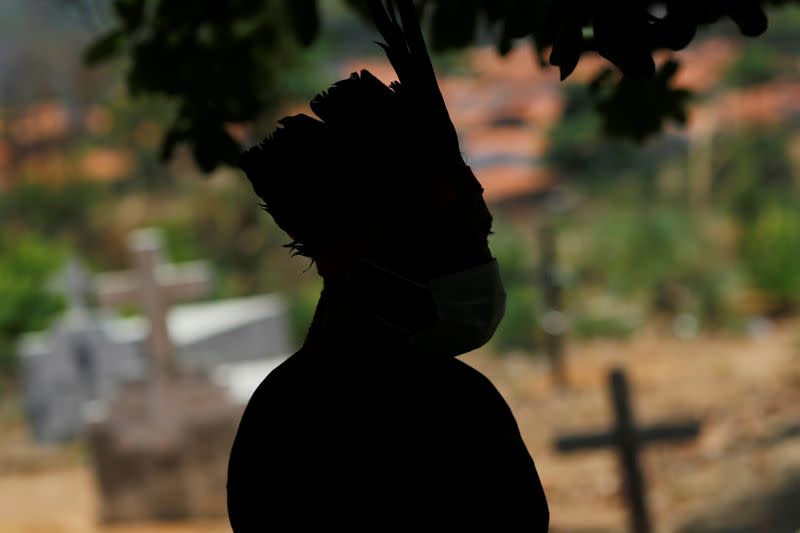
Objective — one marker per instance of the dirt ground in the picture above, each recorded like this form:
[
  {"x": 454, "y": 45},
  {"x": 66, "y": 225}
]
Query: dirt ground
[{"x": 741, "y": 474}]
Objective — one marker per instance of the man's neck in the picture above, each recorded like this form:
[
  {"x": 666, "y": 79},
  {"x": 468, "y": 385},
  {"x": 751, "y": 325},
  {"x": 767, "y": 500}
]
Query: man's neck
[{"x": 345, "y": 320}]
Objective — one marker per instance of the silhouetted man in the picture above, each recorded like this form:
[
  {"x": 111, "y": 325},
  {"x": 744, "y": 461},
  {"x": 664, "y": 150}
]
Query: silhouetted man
[{"x": 374, "y": 424}]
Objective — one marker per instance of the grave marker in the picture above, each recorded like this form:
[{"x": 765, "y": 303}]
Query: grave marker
[
  {"x": 76, "y": 361},
  {"x": 554, "y": 321},
  {"x": 160, "y": 446},
  {"x": 85, "y": 356},
  {"x": 74, "y": 282},
  {"x": 153, "y": 285},
  {"x": 628, "y": 440}
]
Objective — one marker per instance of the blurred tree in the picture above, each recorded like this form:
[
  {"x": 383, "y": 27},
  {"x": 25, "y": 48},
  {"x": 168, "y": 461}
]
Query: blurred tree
[
  {"x": 520, "y": 329},
  {"x": 771, "y": 256},
  {"x": 26, "y": 263},
  {"x": 222, "y": 62},
  {"x": 758, "y": 64},
  {"x": 752, "y": 170}
]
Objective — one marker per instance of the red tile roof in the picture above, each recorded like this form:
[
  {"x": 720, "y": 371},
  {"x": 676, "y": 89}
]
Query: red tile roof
[
  {"x": 106, "y": 164},
  {"x": 505, "y": 107},
  {"x": 503, "y": 182},
  {"x": 39, "y": 122},
  {"x": 502, "y": 111}
]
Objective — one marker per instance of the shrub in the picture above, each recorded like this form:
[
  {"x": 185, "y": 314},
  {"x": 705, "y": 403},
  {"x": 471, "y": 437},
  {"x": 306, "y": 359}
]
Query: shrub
[
  {"x": 635, "y": 250},
  {"x": 757, "y": 64},
  {"x": 519, "y": 329},
  {"x": 26, "y": 263},
  {"x": 665, "y": 260},
  {"x": 771, "y": 256},
  {"x": 591, "y": 327}
]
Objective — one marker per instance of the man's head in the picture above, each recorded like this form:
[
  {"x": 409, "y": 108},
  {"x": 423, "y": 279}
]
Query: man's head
[{"x": 379, "y": 175}]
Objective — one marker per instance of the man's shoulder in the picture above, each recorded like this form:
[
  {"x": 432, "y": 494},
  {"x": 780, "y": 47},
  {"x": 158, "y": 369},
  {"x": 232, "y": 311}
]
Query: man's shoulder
[
  {"x": 266, "y": 406},
  {"x": 278, "y": 381},
  {"x": 468, "y": 375},
  {"x": 474, "y": 388}
]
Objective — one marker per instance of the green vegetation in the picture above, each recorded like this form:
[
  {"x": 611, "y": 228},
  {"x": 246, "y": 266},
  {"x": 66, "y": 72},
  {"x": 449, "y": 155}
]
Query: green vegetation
[
  {"x": 192, "y": 56},
  {"x": 518, "y": 330},
  {"x": 642, "y": 246},
  {"x": 302, "y": 304},
  {"x": 219, "y": 222},
  {"x": 759, "y": 63},
  {"x": 27, "y": 261},
  {"x": 771, "y": 256}
]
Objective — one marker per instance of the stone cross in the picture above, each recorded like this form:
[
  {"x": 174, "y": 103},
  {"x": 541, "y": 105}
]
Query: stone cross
[
  {"x": 153, "y": 285},
  {"x": 628, "y": 439}
]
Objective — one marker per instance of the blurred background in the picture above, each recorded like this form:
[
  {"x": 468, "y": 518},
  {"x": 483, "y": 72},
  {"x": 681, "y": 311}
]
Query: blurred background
[{"x": 675, "y": 257}]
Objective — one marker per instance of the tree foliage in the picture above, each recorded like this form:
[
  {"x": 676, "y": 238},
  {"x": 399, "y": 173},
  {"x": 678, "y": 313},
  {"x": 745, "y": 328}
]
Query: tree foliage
[
  {"x": 222, "y": 62},
  {"x": 26, "y": 263}
]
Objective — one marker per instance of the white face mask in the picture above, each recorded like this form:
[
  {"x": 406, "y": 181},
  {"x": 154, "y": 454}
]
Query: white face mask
[{"x": 468, "y": 306}]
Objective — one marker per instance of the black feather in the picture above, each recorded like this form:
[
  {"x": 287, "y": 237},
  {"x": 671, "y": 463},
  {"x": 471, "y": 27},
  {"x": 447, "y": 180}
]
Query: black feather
[
  {"x": 406, "y": 50},
  {"x": 381, "y": 154}
]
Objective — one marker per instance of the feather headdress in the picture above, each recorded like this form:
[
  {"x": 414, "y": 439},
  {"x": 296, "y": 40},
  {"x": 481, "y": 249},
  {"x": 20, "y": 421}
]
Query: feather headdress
[{"x": 374, "y": 157}]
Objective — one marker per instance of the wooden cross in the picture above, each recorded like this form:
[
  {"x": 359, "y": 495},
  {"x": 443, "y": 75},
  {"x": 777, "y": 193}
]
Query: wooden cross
[
  {"x": 153, "y": 285},
  {"x": 628, "y": 439},
  {"x": 554, "y": 322}
]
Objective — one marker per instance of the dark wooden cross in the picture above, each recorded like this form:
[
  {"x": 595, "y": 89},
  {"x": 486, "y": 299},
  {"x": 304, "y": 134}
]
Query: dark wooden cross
[
  {"x": 628, "y": 439},
  {"x": 553, "y": 320},
  {"x": 153, "y": 285}
]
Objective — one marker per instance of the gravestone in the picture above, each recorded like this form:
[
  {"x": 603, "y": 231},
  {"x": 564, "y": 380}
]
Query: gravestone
[
  {"x": 75, "y": 363},
  {"x": 160, "y": 450},
  {"x": 225, "y": 332},
  {"x": 160, "y": 447},
  {"x": 86, "y": 354},
  {"x": 153, "y": 285},
  {"x": 628, "y": 439}
]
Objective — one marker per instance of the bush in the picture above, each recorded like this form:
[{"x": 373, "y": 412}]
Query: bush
[
  {"x": 758, "y": 64},
  {"x": 591, "y": 327},
  {"x": 665, "y": 260},
  {"x": 580, "y": 150},
  {"x": 26, "y": 264},
  {"x": 635, "y": 250},
  {"x": 51, "y": 211},
  {"x": 771, "y": 256},
  {"x": 519, "y": 329},
  {"x": 752, "y": 169}
]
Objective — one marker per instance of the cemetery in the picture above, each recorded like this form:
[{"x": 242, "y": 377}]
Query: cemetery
[
  {"x": 745, "y": 438},
  {"x": 650, "y": 349},
  {"x": 88, "y": 355},
  {"x": 158, "y": 425}
]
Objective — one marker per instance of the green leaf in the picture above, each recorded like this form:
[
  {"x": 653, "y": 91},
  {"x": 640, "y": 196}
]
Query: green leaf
[
  {"x": 453, "y": 25},
  {"x": 749, "y": 16},
  {"x": 636, "y": 108},
  {"x": 104, "y": 48},
  {"x": 567, "y": 49}
]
